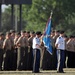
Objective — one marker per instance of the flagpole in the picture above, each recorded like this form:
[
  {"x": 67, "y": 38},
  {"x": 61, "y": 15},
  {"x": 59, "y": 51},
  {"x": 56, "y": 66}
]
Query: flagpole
[
  {"x": 46, "y": 36},
  {"x": 48, "y": 20},
  {"x": 51, "y": 14}
]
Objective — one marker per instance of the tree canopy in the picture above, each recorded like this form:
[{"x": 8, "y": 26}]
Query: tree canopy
[{"x": 36, "y": 15}]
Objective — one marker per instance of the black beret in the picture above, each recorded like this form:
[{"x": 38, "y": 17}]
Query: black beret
[
  {"x": 38, "y": 33},
  {"x": 61, "y": 32}
]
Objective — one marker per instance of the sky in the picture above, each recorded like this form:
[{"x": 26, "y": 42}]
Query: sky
[{"x": 3, "y": 7}]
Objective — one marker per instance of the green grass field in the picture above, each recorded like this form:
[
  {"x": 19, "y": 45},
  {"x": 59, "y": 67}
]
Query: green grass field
[{"x": 68, "y": 71}]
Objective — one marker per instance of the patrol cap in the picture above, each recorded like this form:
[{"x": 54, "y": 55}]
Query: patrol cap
[
  {"x": 38, "y": 33},
  {"x": 28, "y": 32},
  {"x": 8, "y": 33},
  {"x": 17, "y": 33},
  {"x": 71, "y": 36},
  {"x": 32, "y": 32},
  {"x": 1, "y": 33},
  {"x": 12, "y": 31},
  {"x": 23, "y": 31},
  {"x": 57, "y": 31}
]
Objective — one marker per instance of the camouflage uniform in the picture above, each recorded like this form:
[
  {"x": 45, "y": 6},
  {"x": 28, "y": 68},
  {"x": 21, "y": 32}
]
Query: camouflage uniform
[
  {"x": 22, "y": 58},
  {"x": 8, "y": 64},
  {"x": 70, "y": 53},
  {"x": 30, "y": 53}
]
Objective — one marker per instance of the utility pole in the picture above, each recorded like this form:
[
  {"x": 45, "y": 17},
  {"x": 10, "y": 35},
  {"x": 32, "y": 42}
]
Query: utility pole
[
  {"x": 0, "y": 17},
  {"x": 12, "y": 16},
  {"x": 20, "y": 14},
  {"x": 16, "y": 18}
]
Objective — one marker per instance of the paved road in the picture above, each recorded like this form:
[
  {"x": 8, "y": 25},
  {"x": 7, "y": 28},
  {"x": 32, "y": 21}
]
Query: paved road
[{"x": 69, "y": 71}]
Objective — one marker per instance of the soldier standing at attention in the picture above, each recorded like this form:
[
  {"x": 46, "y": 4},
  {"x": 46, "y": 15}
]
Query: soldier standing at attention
[
  {"x": 30, "y": 50},
  {"x": 60, "y": 46},
  {"x": 8, "y": 53},
  {"x": 21, "y": 42},
  {"x": 1, "y": 50},
  {"x": 36, "y": 52},
  {"x": 54, "y": 56},
  {"x": 70, "y": 52},
  {"x": 17, "y": 35},
  {"x": 26, "y": 57},
  {"x": 12, "y": 37}
]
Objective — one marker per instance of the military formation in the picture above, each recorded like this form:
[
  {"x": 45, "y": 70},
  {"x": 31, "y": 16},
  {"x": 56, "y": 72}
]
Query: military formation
[{"x": 17, "y": 51}]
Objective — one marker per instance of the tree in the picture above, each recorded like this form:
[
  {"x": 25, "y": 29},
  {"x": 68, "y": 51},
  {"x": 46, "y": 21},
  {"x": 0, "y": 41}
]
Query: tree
[
  {"x": 6, "y": 19},
  {"x": 38, "y": 13}
]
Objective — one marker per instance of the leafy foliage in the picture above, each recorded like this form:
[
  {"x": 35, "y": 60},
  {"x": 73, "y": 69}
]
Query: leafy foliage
[{"x": 36, "y": 15}]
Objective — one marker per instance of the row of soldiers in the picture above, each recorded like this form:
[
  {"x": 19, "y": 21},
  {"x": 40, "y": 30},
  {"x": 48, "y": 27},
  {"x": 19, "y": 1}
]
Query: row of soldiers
[
  {"x": 69, "y": 48},
  {"x": 50, "y": 61},
  {"x": 16, "y": 51}
]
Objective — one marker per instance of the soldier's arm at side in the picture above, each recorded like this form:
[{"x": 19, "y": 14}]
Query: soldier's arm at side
[
  {"x": 18, "y": 42},
  {"x": 56, "y": 45},
  {"x": 57, "y": 42}
]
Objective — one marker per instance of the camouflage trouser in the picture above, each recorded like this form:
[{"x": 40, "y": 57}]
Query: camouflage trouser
[
  {"x": 22, "y": 58},
  {"x": 20, "y": 52},
  {"x": 8, "y": 60},
  {"x": 30, "y": 59}
]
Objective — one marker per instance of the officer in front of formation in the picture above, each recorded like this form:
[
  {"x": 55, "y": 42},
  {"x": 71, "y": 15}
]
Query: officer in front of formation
[
  {"x": 60, "y": 46},
  {"x": 36, "y": 52}
]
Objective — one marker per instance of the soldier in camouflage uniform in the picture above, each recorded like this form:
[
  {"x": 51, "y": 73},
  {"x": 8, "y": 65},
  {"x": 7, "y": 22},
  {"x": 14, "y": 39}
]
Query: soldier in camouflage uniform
[
  {"x": 21, "y": 43},
  {"x": 14, "y": 59},
  {"x": 8, "y": 53},
  {"x": 30, "y": 51},
  {"x": 17, "y": 35},
  {"x": 70, "y": 52}
]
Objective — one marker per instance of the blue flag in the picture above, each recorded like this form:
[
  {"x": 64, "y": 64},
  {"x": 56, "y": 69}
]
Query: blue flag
[{"x": 46, "y": 38}]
